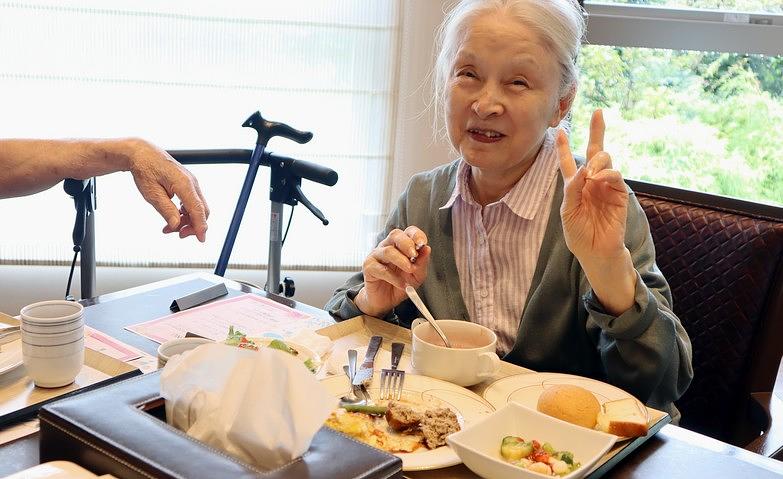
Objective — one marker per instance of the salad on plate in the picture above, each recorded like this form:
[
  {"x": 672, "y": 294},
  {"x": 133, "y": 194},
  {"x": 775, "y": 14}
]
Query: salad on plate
[{"x": 241, "y": 340}]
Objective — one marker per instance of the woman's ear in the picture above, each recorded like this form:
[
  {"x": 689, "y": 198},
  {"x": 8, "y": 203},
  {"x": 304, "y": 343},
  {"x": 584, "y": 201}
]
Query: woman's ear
[{"x": 563, "y": 107}]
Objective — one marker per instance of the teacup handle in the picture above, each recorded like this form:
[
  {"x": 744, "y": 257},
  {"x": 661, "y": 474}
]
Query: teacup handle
[
  {"x": 488, "y": 364},
  {"x": 417, "y": 322}
]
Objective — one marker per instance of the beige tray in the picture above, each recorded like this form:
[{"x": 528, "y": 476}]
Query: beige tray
[
  {"x": 356, "y": 332},
  {"x": 20, "y": 399},
  {"x": 57, "y": 470}
]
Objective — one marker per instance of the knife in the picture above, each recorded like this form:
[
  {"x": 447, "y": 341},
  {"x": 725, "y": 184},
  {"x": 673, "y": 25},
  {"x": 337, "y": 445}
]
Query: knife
[{"x": 364, "y": 373}]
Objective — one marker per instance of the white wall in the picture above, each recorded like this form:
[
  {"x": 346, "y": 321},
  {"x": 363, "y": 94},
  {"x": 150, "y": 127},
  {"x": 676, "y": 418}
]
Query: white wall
[
  {"x": 415, "y": 147},
  {"x": 21, "y": 285}
]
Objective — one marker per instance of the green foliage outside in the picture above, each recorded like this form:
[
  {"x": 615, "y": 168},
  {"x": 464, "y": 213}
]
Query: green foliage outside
[{"x": 706, "y": 121}]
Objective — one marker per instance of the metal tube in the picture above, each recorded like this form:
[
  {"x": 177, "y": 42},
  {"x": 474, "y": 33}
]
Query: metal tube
[
  {"x": 244, "y": 195},
  {"x": 87, "y": 266},
  {"x": 275, "y": 247}
]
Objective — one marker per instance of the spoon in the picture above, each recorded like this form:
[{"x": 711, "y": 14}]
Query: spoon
[
  {"x": 414, "y": 296},
  {"x": 350, "y": 370}
]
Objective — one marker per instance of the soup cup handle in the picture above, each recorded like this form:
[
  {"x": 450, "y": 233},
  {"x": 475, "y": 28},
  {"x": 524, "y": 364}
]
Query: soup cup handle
[
  {"x": 488, "y": 365},
  {"x": 417, "y": 322}
]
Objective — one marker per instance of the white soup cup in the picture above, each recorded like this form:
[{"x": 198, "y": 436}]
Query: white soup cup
[{"x": 471, "y": 359}]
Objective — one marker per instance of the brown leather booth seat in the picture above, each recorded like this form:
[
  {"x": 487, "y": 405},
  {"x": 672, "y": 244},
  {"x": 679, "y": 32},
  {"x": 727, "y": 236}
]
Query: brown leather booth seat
[{"x": 723, "y": 260}]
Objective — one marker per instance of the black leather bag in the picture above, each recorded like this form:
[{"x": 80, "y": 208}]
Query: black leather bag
[{"x": 121, "y": 430}]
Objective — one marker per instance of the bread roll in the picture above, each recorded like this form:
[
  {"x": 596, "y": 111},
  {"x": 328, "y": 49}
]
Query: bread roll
[
  {"x": 624, "y": 418},
  {"x": 570, "y": 403}
]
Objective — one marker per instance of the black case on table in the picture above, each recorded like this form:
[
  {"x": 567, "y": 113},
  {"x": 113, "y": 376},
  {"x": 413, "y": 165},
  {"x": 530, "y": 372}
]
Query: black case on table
[{"x": 121, "y": 430}]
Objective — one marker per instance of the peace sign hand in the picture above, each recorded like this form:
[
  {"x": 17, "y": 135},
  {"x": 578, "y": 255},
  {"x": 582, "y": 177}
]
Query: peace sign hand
[{"x": 595, "y": 199}]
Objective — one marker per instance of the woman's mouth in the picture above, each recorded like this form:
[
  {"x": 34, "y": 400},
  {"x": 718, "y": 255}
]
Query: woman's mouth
[{"x": 485, "y": 136}]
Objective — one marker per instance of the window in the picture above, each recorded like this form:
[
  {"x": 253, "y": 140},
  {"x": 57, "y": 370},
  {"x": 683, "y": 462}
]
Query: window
[
  {"x": 741, "y": 6},
  {"x": 692, "y": 97},
  {"x": 185, "y": 75}
]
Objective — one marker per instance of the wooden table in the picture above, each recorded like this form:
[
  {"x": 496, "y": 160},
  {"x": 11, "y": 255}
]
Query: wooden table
[{"x": 673, "y": 453}]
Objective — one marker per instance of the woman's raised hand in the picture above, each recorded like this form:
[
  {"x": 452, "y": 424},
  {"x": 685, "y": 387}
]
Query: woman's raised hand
[
  {"x": 595, "y": 199},
  {"x": 399, "y": 260}
]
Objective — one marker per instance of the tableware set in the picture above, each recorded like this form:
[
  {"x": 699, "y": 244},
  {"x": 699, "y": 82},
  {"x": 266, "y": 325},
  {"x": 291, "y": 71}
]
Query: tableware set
[
  {"x": 471, "y": 360},
  {"x": 52, "y": 342},
  {"x": 391, "y": 380}
]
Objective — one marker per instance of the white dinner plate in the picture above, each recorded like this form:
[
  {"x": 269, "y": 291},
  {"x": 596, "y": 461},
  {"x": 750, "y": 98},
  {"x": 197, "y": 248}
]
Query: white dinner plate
[
  {"x": 305, "y": 353},
  {"x": 468, "y": 406},
  {"x": 10, "y": 356},
  {"x": 525, "y": 389}
]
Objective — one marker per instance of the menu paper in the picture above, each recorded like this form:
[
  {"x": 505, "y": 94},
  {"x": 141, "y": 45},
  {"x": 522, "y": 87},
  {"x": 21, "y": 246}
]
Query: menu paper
[
  {"x": 249, "y": 313},
  {"x": 103, "y": 343}
]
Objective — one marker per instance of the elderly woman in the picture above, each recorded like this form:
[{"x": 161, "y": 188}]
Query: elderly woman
[{"x": 560, "y": 266}]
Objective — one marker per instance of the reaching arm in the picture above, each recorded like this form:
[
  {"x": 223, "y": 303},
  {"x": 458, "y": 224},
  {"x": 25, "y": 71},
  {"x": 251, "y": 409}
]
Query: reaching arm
[{"x": 31, "y": 166}]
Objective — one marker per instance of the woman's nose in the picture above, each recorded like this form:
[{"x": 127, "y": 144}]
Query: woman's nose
[{"x": 487, "y": 104}]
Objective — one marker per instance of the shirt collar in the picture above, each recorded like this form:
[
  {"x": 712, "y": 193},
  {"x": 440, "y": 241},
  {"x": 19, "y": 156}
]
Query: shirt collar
[
  {"x": 461, "y": 189},
  {"x": 525, "y": 197}
]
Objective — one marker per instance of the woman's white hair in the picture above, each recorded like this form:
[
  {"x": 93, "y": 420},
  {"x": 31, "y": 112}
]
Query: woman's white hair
[{"x": 560, "y": 23}]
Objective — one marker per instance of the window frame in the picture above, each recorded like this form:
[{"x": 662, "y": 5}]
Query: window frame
[{"x": 684, "y": 29}]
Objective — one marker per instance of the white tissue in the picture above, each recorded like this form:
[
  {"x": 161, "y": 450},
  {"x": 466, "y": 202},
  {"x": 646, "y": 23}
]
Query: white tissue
[
  {"x": 262, "y": 407},
  {"x": 318, "y": 343}
]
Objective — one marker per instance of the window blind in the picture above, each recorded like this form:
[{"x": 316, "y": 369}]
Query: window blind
[{"x": 185, "y": 75}]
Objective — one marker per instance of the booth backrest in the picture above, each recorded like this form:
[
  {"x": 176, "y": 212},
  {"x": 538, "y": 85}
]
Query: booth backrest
[{"x": 722, "y": 258}]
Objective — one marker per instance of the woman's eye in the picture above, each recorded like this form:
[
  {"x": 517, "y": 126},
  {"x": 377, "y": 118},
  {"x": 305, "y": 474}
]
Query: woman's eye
[
  {"x": 466, "y": 73},
  {"x": 522, "y": 83}
]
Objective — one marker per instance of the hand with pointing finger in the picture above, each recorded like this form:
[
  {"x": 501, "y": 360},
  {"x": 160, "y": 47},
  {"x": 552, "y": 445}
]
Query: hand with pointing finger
[{"x": 595, "y": 198}]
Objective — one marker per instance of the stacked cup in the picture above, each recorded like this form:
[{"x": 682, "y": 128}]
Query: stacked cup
[{"x": 53, "y": 342}]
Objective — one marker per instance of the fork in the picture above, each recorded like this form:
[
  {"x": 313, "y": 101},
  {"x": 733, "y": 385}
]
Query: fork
[{"x": 393, "y": 379}]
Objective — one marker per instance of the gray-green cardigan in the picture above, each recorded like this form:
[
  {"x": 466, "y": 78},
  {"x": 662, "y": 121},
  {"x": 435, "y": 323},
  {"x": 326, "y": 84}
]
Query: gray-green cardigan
[{"x": 644, "y": 351}]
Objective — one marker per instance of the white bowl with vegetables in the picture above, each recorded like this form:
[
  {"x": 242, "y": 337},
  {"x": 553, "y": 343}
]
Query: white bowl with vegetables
[{"x": 516, "y": 442}]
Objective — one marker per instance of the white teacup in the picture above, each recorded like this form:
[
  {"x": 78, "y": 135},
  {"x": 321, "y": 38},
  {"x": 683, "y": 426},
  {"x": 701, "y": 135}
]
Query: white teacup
[
  {"x": 52, "y": 342},
  {"x": 53, "y": 369},
  {"x": 471, "y": 359},
  {"x": 51, "y": 312},
  {"x": 173, "y": 347}
]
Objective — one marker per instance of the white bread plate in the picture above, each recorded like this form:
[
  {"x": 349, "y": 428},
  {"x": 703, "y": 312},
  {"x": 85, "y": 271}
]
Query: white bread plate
[{"x": 526, "y": 388}]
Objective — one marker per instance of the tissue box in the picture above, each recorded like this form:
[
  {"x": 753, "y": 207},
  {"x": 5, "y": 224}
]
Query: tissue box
[{"x": 121, "y": 430}]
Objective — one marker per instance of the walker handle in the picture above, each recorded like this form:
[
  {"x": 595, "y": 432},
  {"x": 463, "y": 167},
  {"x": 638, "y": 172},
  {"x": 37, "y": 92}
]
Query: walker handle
[{"x": 268, "y": 129}]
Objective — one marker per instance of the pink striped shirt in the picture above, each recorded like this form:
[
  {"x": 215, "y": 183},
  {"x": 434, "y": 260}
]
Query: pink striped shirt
[{"x": 496, "y": 248}]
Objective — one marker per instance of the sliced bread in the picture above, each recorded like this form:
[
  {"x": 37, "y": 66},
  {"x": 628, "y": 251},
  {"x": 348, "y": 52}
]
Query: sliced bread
[{"x": 624, "y": 418}]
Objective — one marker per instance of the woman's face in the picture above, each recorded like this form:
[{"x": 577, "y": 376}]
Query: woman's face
[{"x": 502, "y": 95}]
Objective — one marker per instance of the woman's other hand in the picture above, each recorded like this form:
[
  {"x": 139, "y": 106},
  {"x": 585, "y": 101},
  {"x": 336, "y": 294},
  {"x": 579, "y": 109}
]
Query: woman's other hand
[
  {"x": 159, "y": 177},
  {"x": 594, "y": 210},
  {"x": 595, "y": 198},
  {"x": 399, "y": 260}
]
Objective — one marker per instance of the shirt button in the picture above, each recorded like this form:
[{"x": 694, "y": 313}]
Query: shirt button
[
  {"x": 484, "y": 293},
  {"x": 481, "y": 240}
]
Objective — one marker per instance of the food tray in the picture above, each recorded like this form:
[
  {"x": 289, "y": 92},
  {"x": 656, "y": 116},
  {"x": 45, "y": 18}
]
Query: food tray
[
  {"x": 356, "y": 332},
  {"x": 20, "y": 399}
]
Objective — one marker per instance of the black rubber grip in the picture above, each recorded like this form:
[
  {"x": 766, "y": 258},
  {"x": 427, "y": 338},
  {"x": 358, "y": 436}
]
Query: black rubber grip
[
  {"x": 211, "y": 157},
  {"x": 305, "y": 169}
]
